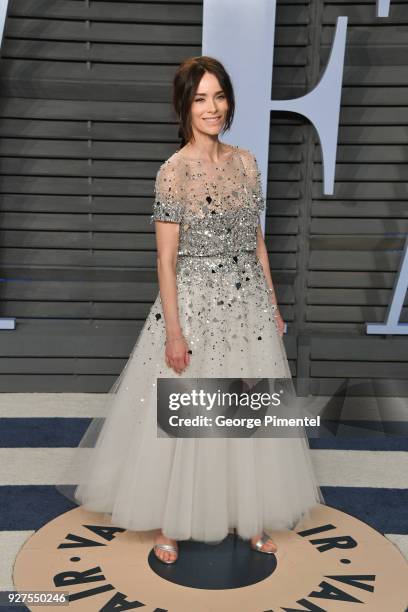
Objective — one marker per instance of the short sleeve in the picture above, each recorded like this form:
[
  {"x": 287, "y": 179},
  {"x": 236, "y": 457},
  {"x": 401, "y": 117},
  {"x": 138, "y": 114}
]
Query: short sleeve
[
  {"x": 168, "y": 198},
  {"x": 254, "y": 178}
]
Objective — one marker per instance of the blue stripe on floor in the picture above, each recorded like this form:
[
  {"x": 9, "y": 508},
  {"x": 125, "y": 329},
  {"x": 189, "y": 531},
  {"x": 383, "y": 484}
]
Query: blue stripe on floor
[
  {"x": 59, "y": 432},
  {"x": 28, "y": 507},
  {"x": 383, "y": 509},
  {"x": 49, "y": 432},
  {"x": 379, "y": 444}
]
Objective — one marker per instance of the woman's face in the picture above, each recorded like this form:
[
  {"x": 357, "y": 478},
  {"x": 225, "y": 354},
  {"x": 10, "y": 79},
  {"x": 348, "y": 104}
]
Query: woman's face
[{"x": 209, "y": 107}]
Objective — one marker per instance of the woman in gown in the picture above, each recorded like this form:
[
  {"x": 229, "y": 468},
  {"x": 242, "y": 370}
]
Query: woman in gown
[{"x": 215, "y": 316}]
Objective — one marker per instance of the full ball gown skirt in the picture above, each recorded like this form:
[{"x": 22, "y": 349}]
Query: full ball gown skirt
[{"x": 200, "y": 488}]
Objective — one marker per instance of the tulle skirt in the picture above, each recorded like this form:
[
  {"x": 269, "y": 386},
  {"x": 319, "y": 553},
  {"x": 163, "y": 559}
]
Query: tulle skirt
[{"x": 197, "y": 488}]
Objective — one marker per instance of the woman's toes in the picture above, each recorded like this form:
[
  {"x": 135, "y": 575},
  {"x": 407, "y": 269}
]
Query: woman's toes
[
  {"x": 165, "y": 555},
  {"x": 269, "y": 545}
]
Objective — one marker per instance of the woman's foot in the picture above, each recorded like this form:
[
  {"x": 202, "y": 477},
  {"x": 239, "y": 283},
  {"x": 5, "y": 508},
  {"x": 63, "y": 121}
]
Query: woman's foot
[
  {"x": 168, "y": 556},
  {"x": 268, "y": 545}
]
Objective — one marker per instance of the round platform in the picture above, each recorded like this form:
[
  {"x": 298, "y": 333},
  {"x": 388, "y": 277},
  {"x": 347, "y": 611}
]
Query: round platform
[{"x": 332, "y": 561}]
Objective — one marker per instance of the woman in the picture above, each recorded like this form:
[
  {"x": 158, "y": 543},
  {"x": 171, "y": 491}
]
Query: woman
[{"x": 215, "y": 316}]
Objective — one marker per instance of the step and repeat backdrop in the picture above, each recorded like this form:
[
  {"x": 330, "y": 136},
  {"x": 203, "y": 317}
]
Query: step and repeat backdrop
[{"x": 86, "y": 121}]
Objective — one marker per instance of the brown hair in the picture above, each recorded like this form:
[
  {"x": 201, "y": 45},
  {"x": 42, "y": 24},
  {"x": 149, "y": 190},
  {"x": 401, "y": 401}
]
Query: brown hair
[{"x": 185, "y": 85}]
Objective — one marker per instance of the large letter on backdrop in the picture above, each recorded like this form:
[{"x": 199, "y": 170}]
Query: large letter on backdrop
[
  {"x": 5, "y": 323},
  {"x": 392, "y": 324},
  {"x": 383, "y": 8},
  {"x": 241, "y": 35}
]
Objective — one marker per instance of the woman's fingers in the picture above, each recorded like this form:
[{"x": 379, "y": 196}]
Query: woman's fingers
[
  {"x": 176, "y": 359},
  {"x": 178, "y": 364}
]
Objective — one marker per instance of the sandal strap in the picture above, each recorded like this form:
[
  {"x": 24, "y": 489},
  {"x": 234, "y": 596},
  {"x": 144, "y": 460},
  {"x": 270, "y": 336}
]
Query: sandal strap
[
  {"x": 262, "y": 540},
  {"x": 169, "y": 547}
]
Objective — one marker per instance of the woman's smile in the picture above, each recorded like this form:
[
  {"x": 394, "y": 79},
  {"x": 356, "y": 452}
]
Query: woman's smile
[{"x": 212, "y": 119}]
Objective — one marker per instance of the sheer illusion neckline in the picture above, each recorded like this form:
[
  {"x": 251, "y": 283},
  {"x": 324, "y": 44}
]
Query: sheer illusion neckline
[{"x": 231, "y": 154}]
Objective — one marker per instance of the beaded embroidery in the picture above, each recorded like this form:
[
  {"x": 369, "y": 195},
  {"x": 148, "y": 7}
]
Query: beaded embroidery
[
  {"x": 219, "y": 275},
  {"x": 217, "y": 205}
]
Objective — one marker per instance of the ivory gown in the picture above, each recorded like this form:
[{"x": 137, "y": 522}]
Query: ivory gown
[{"x": 200, "y": 488}]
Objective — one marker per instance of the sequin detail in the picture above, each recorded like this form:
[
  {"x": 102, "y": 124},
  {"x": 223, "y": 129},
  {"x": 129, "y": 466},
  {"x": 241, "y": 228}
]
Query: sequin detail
[
  {"x": 225, "y": 308},
  {"x": 217, "y": 205}
]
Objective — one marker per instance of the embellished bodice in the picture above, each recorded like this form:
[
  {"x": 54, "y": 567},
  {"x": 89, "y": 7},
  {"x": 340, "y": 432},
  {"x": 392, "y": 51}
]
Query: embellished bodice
[{"x": 216, "y": 204}]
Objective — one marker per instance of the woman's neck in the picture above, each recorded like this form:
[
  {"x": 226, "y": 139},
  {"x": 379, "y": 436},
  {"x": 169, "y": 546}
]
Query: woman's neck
[{"x": 213, "y": 152}]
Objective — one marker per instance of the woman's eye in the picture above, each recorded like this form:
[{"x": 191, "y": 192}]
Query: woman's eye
[{"x": 201, "y": 99}]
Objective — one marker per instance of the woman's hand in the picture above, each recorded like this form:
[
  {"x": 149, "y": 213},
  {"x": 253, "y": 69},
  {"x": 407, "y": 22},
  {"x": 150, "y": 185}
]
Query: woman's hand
[{"x": 176, "y": 355}]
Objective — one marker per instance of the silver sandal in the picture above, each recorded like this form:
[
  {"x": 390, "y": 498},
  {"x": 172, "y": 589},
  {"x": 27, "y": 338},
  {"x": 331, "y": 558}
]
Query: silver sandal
[
  {"x": 169, "y": 548},
  {"x": 262, "y": 540}
]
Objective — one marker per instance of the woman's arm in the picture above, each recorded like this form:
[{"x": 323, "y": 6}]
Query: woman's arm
[
  {"x": 167, "y": 240},
  {"x": 168, "y": 209},
  {"x": 262, "y": 254}
]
